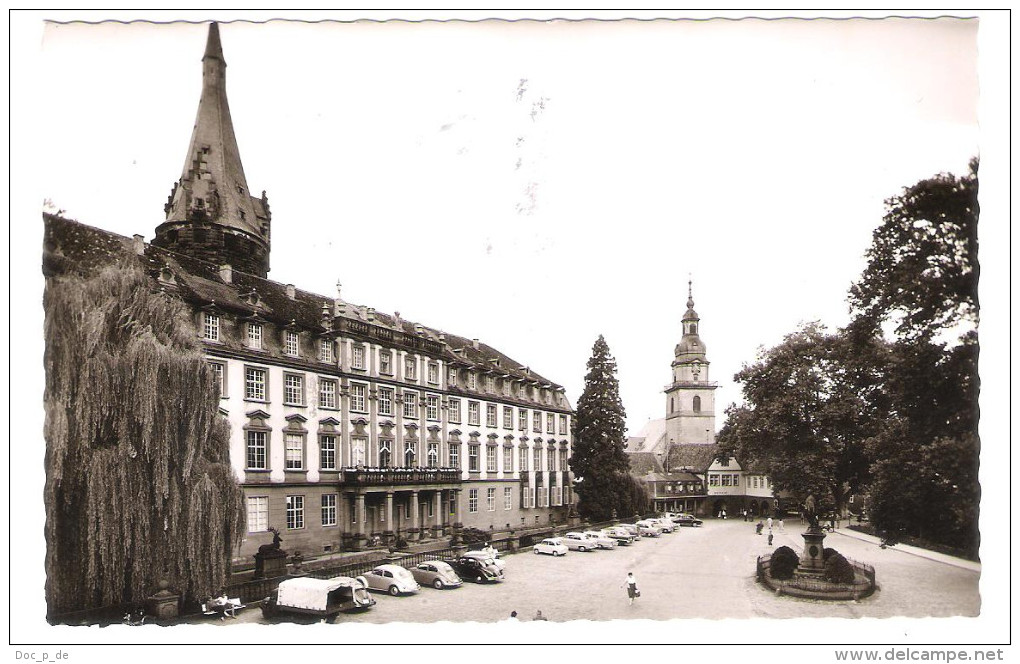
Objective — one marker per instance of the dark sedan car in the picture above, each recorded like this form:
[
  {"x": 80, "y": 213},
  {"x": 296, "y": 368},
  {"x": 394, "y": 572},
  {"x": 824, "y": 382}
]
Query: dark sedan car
[
  {"x": 686, "y": 520},
  {"x": 473, "y": 569}
]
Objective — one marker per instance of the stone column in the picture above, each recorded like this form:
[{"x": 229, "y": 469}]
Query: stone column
[
  {"x": 362, "y": 514},
  {"x": 389, "y": 511},
  {"x": 455, "y": 497},
  {"x": 415, "y": 520},
  {"x": 437, "y": 512}
]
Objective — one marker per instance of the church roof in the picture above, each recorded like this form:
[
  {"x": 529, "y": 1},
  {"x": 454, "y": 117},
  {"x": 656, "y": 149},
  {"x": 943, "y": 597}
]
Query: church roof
[
  {"x": 697, "y": 457},
  {"x": 73, "y": 247},
  {"x": 212, "y": 184},
  {"x": 642, "y": 463}
]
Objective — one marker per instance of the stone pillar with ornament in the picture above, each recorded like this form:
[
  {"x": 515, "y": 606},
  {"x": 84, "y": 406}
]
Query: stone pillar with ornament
[
  {"x": 163, "y": 604},
  {"x": 415, "y": 515}
]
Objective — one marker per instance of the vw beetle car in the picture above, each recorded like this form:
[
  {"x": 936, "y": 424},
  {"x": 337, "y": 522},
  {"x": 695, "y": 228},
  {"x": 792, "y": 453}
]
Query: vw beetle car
[
  {"x": 473, "y": 569},
  {"x": 317, "y": 597},
  {"x": 437, "y": 574},
  {"x": 551, "y": 545},
  {"x": 393, "y": 579}
]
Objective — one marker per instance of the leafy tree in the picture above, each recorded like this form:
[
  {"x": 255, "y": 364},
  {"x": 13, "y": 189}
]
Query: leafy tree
[
  {"x": 922, "y": 275},
  {"x": 809, "y": 405},
  {"x": 922, "y": 269},
  {"x": 138, "y": 481},
  {"x": 600, "y": 465}
]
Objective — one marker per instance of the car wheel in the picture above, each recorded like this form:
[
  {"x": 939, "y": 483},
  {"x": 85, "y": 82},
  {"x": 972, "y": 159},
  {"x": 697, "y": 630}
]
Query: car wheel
[
  {"x": 478, "y": 579},
  {"x": 394, "y": 591},
  {"x": 438, "y": 584},
  {"x": 581, "y": 548},
  {"x": 556, "y": 554},
  {"x": 330, "y": 619},
  {"x": 537, "y": 551}
]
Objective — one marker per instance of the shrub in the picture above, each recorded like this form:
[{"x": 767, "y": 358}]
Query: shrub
[
  {"x": 401, "y": 544},
  {"x": 827, "y": 552},
  {"x": 784, "y": 562},
  {"x": 838, "y": 569}
]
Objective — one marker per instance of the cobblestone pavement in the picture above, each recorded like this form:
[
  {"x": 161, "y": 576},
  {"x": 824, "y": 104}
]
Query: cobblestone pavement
[{"x": 705, "y": 572}]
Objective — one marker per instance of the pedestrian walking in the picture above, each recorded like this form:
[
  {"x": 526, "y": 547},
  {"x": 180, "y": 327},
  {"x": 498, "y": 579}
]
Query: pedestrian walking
[
  {"x": 631, "y": 584},
  {"x": 770, "y": 537},
  {"x": 758, "y": 527},
  {"x": 782, "y": 528},
  {"x": 743, "y": 513},
  {"x": 513, "y": 616},
  {"x": 539, "y": 616},
  {"x": 768, "y": 523}
]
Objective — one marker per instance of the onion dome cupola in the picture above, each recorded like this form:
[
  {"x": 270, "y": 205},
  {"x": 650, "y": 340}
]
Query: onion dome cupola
[
  {"x": 210, "y": 213},
  {"x": 690, "y": 362}
]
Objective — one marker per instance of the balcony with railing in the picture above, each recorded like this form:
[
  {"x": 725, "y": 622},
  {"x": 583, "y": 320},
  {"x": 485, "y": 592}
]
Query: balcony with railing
[{"x": 399, "y": 476}]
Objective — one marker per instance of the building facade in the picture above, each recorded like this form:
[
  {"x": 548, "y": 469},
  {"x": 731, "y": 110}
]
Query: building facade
[
  {"x": 348, "y": 425},
  {"x": 677, "y": 457}
]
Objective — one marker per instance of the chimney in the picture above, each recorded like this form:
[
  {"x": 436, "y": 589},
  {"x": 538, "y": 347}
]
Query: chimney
[
  {"x": 226, "y": 273},
  {"x": 290, "y": 291},
  {"x": 139, "y": 244},
  {"x": 474, "y": 343}
]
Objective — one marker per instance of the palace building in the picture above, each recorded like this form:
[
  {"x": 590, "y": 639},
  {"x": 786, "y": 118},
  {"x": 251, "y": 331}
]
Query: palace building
[
  {"x": 676, "y": 456},
  {"x": 347, "y": 424}
]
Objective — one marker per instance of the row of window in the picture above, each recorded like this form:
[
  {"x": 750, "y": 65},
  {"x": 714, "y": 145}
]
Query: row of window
[
  {"x": 256, "y": 389},
  {"x": 542, "y": 496},
  {"x": 724, "y": 479},
  {"x": 295, "y": 455},
  {"x": 258, "y": 511},
  {"x": 490, "y": 499},
  {"x": 695, "y": 404},
  {"x": 254, "y": 337}
]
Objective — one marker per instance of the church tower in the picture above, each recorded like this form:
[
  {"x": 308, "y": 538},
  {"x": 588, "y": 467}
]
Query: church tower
[
  {"x": 210, "y": 213},
  {"x": 690, "y": 399}
]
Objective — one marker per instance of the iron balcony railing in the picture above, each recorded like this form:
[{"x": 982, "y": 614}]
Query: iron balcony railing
[{"x": 385, "y": 476}]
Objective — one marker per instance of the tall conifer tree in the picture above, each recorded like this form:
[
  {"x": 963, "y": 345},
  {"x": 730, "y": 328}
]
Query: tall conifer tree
[{"x": 600, "y": 465}]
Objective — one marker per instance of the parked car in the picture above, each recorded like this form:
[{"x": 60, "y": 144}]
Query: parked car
[
  {"x": 487, "y": 557},
  {"x": 622, "y": 536},
  {"x": 687, "y": 520},
  {"x": 630, "y": 528},
  {"x": 393, "y": 579},
  {"x": 318, "y": 597},
  {"x": 552, "y": 545},
  {"x": 649, "y": 529},
  {"x": 666, "y": 525},
  {"x": 473, "y": 569},
  {"x": 437, "y": 574},
  {"x": 599, "y": 540},
  {"x": 578, "y": 542}
]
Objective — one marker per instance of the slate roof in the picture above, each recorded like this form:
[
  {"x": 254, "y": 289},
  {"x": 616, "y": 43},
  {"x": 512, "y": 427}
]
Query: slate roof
[
  {"x": 642, "y": 463},
  {"x": 70, "y": 246},
  {"x": 693, "y": 455}
]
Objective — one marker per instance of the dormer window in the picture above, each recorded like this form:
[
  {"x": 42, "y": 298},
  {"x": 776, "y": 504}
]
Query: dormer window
[
  {"x": 357, "y": 356},
  {"x": 210, "y": 327},
  {"x": 326, "y": 350},
  {"x": 472, "y": 381},
  {"x": 255, "y": 336},
  {"x": 490, "y": 383},
  {"x": 290, "y": 343}
]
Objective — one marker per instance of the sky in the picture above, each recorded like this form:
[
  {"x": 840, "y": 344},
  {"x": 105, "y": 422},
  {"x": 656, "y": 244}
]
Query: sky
[
  {"x": 562, "y": 181},
  {"x": 532, "y": 184}
]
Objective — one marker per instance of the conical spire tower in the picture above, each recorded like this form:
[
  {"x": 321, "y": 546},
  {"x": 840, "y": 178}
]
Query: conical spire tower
[{"x": 210, "y": 213}]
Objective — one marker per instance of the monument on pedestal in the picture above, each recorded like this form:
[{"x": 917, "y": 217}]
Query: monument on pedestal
[
  {"x": 271, "y": 560},
  {"x": 812, "y": 562}
]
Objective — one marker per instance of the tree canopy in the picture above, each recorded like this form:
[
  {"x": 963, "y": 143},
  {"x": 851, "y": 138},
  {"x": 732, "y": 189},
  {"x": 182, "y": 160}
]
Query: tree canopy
[
  {"x": 138, "y": 481},
  {"x": 599, "y": 462},
  {"x": 809, "y": 405},
  {"x": 922, "y": 269}
]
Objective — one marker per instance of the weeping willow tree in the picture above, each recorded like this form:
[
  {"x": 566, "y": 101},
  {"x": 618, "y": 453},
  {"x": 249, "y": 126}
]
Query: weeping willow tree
[{"x": 138, "y": 480}]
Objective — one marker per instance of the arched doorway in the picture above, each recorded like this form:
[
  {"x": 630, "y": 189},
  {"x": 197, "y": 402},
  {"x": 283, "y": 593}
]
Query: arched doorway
[
  {"x": 754, "y": 508},
  {"x": 719, "y": 508}
]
